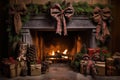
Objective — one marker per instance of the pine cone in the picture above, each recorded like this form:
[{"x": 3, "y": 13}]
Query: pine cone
[{"x": 31, "y": 55}]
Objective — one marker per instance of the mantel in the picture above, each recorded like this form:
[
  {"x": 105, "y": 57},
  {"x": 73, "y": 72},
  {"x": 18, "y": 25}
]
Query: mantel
[
  {"x": 38, "y": 23},
  {"x": 45, "y": 24}
]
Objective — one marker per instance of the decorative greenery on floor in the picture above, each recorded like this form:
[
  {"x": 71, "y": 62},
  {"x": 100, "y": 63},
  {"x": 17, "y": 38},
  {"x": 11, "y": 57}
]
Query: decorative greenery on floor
[{"x": 99, "y": 55}]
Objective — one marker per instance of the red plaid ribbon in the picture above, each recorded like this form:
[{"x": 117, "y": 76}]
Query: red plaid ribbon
[
  {"x": 17, "y": 11},
  {"x": 100, "y": 16},
  {"x": 60, "y": 15}
]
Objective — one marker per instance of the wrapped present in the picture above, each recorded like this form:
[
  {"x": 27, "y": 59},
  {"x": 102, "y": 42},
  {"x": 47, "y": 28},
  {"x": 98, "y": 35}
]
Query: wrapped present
[
  {"x": 110, "y": 68},
  {"x": 91, "y": 51},
  {"x": 87, "y": 67},
  {"x": 11, "y": 69},
  {"x": 35, "y": 69},
  {"x": 111, "y": 71},
  {"x": 109, "y": 61},
  {"x": 45, "y": 67},
  {"x": 100, "y": 66},
  {"x": 24, "y": 68},
  {"x": 18, "y": 71}
]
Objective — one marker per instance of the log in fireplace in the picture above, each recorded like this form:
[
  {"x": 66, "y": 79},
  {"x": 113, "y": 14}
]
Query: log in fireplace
[{"x": 40, "y": 31}]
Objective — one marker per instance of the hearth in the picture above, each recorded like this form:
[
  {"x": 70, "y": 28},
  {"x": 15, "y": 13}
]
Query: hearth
[{"x": 40, "y": 31}]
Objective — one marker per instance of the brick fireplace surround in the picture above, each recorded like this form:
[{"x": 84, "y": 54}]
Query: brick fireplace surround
[{"x": 44, "y": 25}]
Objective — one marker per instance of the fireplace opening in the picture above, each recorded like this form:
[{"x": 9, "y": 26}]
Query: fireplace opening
[
  {"x": 58, "y": 47},
  {"x": 51, "y": 45},
  {"x": 40, "y": 31}
]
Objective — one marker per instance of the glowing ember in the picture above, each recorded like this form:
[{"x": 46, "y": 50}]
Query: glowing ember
[{"x": 65, "y": 51}]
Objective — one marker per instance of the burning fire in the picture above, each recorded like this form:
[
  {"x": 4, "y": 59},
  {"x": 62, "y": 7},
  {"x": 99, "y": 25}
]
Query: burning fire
[
  {"x": 66, "y": 57},
  {"x": 58, "y": 51},
  {"x": 53, "y": 53},
  {"x": 65, "y": 51}
]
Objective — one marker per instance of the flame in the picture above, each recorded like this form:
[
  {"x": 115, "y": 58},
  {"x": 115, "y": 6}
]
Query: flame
[
  {"x": 53, "y": 53},
  {"x": 65, "y": 51},
  {"x": 58, "y": 51}
]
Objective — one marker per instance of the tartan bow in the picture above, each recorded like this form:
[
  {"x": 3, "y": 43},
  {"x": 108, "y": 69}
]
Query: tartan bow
[
  {"x": 100, "y": 16},
  {"x": 17, "y": 11},
  {"x": 60, "y": 15}
]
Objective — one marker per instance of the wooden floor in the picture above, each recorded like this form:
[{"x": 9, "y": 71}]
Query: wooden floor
[{"x": 60, "y": 71}]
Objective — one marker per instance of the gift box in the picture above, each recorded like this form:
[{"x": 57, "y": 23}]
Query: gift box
[
  {"x": 100, "y": 67},
  {"x": 92, "y": 51},
  {"x": 35, "y": 69},
  {"x": 109, "y": 61},
  {"x": 18, "y": 69},
  {"x": 110, "y": 69},
  {"x": 11, "y": 69}
]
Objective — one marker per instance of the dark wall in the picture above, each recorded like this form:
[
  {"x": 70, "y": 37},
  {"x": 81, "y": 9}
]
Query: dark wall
[
  {"x": 3, "y": 33},
  {"x": 115, "y": 26}
]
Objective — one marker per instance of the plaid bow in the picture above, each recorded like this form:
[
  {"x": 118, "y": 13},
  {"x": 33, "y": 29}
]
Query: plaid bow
[
  {"x": 18, "y": 10},
  {"x": 100, "y": 16},
  {"x": 60, "y": 15}
]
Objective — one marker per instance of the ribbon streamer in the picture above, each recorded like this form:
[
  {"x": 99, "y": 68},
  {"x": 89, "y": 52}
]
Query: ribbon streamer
[
  {"x": 100, "y": 16},
  {"x": 17, "y": 11},
  {"x": 60, "y": 15}
]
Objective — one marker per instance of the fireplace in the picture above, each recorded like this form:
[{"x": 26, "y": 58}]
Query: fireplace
[{"x": 40, "y": 31}]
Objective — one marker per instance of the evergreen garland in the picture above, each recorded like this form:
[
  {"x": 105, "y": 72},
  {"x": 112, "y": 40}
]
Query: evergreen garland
[{"x": 80, "y": 9}]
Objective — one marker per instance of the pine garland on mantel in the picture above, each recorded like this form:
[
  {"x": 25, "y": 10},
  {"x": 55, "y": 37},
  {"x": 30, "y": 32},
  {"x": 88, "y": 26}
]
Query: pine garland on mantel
[
  {"x": 43, "y": 10},
  {"x": 79, "y": 9}
]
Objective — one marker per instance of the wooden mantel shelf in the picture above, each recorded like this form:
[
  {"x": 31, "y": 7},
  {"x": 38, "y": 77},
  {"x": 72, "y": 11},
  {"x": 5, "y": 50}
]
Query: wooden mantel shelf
[
  {"x": 42, "y": 24},
  {"x": 47, "y": 24}
]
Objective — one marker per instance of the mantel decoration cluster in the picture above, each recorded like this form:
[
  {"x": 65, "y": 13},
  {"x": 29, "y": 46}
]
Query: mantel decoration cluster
[{"x": 19, "y": 14}]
